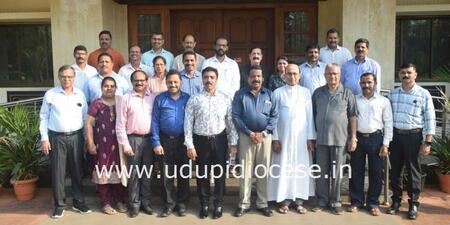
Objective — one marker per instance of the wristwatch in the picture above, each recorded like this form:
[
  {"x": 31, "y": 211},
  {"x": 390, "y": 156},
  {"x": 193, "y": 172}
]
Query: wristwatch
[{"x": 428, "y": 143}]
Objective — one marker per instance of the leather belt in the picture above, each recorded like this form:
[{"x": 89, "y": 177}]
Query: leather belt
[
  {"x": 408, "y": 132},
  {"x": 140, "y": 135},
  {"x": 369, "y": 134},
  {"x": 211, "y": 137},
  {"x": 172, "y": 136},
  {"x": 51, "y": 132}
]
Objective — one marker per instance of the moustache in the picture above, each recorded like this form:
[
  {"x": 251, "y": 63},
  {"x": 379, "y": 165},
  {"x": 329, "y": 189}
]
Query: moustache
[
  {"x": 208, "y": 83},
  {"x": 173, "y": 87},
  {"x": 404, "y": 78},
  {"x": 256, "y": 82},
  {"x": 255, "y": 58}
]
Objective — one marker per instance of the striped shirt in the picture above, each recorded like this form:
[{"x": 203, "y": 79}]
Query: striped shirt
[{"x": 413, "y": 109}]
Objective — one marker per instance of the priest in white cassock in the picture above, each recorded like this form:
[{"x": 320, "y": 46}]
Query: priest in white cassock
[{"x": 289, "y": 182}]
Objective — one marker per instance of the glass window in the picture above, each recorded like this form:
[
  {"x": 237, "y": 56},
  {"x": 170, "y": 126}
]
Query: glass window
[
  {"x": 425, "y": 42},
  {"x": 26, "y": 55},
  {"x": 146, "y": 25},
  {"x": 296, "y": 35}
]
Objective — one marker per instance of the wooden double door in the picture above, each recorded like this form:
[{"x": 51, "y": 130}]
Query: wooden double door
[{"x": 244, "y": 28}]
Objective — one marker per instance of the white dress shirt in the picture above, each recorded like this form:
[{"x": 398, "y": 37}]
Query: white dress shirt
[
  {"x": 127, "y": 69},
  {"x": 82, "y": 75},
  {"x": 62, "y": 112},
  {"x": 340, "y": 55},
  {"x": 375, "y": 114},
  {"x": 312, "y": 77},
  {"x": 229, "y": 76}
]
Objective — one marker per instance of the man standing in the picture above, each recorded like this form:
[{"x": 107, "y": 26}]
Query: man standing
[
  {"x": 134, "y": 64},
  {"x": 188, "y": 45},
  {"x": 352, "y": 69},
  {"x": 83, "y": 71},
  {"x": 62, "y": 116},
  {"x": 313, "y": 71},
  {"x": 133, "y": 134},
  {"x": 168, "y": 143},
  {"x": 157, "y": 49},
  {"x": 208, "y": 130},
  {"x": 192, "y": 79},
  {"x": 92, "y": 88},
  {"x": 255, "y": 116},
  {"x": 334, "y": 113},
  {"x": 293, "y": 143},
  {"x": 413, "y": 111},
  {"x": 333, "y": 53},
  {"x": 374, "y": 134},
  {"x": 105, "y": 38},
  {"x": 255, "y": 56},
  {"x": 228, "y": 69}
]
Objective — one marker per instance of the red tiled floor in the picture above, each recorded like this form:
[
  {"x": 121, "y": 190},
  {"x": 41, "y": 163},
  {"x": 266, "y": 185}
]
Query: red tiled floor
[
  {"x": 434, "y": 208},
  {"x": 13, "y": 212}
]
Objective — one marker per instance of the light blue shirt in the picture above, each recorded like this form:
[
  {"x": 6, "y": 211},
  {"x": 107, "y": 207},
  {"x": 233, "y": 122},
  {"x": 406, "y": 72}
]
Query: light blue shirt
[
  {"x": 312, "y": 77},
  {"x": 83, "y": 75},
  {"x": 351, "y": 72},
  {"x": 413, "y": 109},
  {"x": 93, "y": 89},
  {"x": 147, "y": 58},
  {"x": 192, "y": 85},
  {"x": 62, "y": 112}
]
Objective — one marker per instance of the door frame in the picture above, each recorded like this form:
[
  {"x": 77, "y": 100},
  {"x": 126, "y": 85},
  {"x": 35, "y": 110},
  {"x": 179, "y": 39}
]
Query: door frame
[{"x": 279, "y": 9}]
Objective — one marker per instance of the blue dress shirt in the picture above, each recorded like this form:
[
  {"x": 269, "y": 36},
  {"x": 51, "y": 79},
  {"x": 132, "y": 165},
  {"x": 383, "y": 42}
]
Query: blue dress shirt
[
  {"x": 167, "y": 116},
  {"x": 147, "y": 58},
  {"x": 254, "y": 113},
  {"x": 351, "y": 72},
  {"x": 192, "y": 85}
]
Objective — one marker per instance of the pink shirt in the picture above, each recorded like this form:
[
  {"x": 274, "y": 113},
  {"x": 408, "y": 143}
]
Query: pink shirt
[
  {"x": 156, "y": 85},
  {"x": 134, "y": 116}
]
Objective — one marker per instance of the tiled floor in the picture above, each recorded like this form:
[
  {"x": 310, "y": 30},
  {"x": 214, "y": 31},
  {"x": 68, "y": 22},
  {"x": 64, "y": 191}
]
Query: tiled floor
[{"x": 435, "y": 209}]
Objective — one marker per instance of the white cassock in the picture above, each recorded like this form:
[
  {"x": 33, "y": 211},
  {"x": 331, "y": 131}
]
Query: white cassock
[{"x": 295, "y": 127}]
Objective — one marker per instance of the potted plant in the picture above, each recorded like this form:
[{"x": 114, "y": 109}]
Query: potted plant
[
  {"x": 440, "y": 149},
  {"x": 19, "y": 149}
]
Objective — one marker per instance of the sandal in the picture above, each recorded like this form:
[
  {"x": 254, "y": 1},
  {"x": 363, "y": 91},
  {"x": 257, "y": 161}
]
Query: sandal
[
  {"x": 300, "y": 209},
  {"x": 375, "y": 211},
  {"x": 353, "y": 209},
  {"x": 283, "y": 209},
  {"x": 107, "y": 209}
]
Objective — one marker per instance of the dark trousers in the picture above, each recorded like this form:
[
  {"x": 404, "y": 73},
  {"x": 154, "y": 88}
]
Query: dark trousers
[
  {"x": 405, "y": 152},
  {"x": 139, "y": 187},
  {"x": 328, "y": 185},
  {"x": 67, "y": 150},
  {"x": 174, "y": 157},
  {"x": 211, "y": 151},
  {"x": 367, "y": 146}
]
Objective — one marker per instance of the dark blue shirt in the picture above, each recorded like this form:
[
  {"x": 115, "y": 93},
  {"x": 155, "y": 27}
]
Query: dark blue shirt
[
  {"x": 167, "y": 116},
  {"x": 254, "y": 113}
]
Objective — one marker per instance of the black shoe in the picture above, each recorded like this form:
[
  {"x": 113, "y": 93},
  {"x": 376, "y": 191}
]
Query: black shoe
[
  {"x": 166, "y": 212},
  {"x": 266, "y": 211},
  {"x": 58, "y": 213},
  {"x": 83, "y": 209},
  {"x": 147, "y": 209},
  {"x": 240, "y": 212},
  {"x": 394, "y": 209},
  {"x": 181, "y": 211},
  {"x": 133, "y": 213},
  {"x": 217, "y": 212},
  {"x": 203, "y": 212},
  {"x": 412, "y": 212},
  {"x": 337, "y": 210}
]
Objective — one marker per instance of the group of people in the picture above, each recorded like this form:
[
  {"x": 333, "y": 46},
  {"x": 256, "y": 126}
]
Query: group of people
[{"x": 290, "y": 130}]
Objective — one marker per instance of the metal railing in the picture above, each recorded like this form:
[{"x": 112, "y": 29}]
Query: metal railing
[{"x": 33, "y": 103}]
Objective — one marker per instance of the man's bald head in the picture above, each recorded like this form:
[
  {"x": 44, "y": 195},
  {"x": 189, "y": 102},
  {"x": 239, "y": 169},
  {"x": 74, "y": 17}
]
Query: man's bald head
[{"x": 292, "y": 75}]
